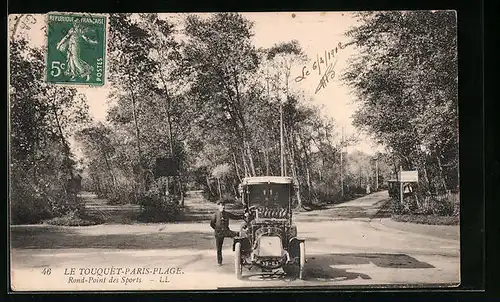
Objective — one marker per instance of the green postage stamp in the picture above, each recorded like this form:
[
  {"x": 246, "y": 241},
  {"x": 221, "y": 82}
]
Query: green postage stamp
[{"x": 76, "y": 49}]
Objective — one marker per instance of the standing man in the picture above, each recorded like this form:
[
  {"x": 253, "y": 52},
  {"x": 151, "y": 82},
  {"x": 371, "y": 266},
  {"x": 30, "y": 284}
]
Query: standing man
[{"x": 220, "y": 224}]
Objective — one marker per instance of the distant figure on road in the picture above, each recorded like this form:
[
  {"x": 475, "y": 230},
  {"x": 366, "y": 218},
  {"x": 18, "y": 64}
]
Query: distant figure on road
[
  {"x": 368, "y": 189},
  {"x": 220, "y": 224}
]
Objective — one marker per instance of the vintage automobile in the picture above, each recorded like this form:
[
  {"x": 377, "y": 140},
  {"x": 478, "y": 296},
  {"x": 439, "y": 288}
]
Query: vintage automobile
[{"x": 268, "y": 238}]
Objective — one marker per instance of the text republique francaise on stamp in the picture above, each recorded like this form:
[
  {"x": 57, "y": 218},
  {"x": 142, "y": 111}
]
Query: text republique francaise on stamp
[{"x": 76, "y": 49}]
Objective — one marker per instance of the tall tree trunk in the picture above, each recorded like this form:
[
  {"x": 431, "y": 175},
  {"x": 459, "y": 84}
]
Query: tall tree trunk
[
  {"x": 308, "y": 165},
  {"x": 291, "y": 157},
  {"x": 136, "y": 123},
  {"x": 234, "y": 189},
  {"x": 219, "y": 187},
  {"x": 234, "y": 109},
  {"x": 360, "y": 178},
  {"x": 171, "y": 147},
  {"x": 266, "y": 156},
  {"x": 180, "y": 184},
  {"x": 170, "y": 136},
  {"x": 441, "y": 175},
  {"x": 142, "y": 181},
  {"x": 282, "y": 147},
  {"x": 426, "y": 177},
  {"x": 245, "y": 166},
  {"x": 168, "y": 101},
  {"x": 250, "y": 158},
  {"x": 209, "y": 186},
  {"x": 67, "y": 151},
  {"x": 113, "y": 179},
  {"x": 309, "y": 192},
  {"x": 236, "y": 167},
  {"x": 246, "y": 141},
  {"x": 98, "y": 185}
]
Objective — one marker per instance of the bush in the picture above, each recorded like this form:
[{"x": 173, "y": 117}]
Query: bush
[
  {"x": 73, "y": 218},
  {"x": 436, "y": 205},
  {"x": 29, "y": 210},
  {"x": 396, "y": 207},
  {"x": 29, "y": 207},
  {"x": 325, "y": 193},
  {"x": 155, "y": 206},
  {"x": 62, "y": 204},
  {"x": 408, "y": 206},
  {"x": 441, "y": 205},
  {"x": 158, "y": 209},
  {"x": 121, "y": 196},
  {"x": 357, "y": 190},
  {"x": 427, "y": 219}
]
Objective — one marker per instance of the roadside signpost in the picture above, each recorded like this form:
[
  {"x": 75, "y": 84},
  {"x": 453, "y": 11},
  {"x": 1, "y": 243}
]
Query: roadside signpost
[
  {"x": 406, "y": 177},
  {"x": 166, "y": 167}
]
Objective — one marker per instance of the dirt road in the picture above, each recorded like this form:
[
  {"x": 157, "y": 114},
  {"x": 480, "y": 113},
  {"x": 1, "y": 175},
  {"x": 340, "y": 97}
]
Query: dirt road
[{"x": 346, "y": 245}]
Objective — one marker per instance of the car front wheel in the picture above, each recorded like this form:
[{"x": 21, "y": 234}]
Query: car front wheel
[
  {"x": 302, "y": 259},
  {"x": 237, "y": 260}
]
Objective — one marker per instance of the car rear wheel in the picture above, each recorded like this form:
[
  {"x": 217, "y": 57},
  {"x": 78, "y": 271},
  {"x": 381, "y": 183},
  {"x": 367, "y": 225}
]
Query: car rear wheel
[{"x": 237, "y": 260}]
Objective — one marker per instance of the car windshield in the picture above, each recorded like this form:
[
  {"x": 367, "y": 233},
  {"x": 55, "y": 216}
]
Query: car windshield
[{"x": 269, "y": 195}]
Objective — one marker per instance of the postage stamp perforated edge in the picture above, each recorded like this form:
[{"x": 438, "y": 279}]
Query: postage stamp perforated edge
[{"x": 104, "y": 51}]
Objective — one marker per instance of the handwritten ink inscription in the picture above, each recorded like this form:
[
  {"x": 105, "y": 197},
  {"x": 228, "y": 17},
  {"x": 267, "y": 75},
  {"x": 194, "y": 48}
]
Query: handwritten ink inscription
[
  {"x": 324, "y": 65},
  {"x": 329, "y": 74}
]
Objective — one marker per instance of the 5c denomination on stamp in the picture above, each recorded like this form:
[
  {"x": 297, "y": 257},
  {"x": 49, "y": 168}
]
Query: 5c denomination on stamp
[{"x": 76, "y": 49}]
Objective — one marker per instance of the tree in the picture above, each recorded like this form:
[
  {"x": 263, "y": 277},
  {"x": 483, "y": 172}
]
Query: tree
[
  {"x": 280, "y": 59},
  {"x": 42, "y": 118},
  {"x": 170, "y": 86},
  {"x": 405, "y": 78},
  {"x": 131, "y": 73},
  {"x": 221, "y": 172},
  {"x": 221, "y": 58},
  {"x": 98, "y": 150}
]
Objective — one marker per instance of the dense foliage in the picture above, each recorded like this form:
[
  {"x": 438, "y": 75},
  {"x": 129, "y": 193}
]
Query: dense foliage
[
  {"x": 405, "y": 79},
  {"x": 43, "y": 174},
  {"x": 205, "y": 95}
]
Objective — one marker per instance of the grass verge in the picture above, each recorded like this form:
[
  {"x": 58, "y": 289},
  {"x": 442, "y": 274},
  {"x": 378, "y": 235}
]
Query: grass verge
[{"x": 427, "y": 219}]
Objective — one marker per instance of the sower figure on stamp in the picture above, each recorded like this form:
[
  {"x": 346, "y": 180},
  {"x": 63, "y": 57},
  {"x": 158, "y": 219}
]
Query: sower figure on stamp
[
  {"x": 220, "y": 224},
  {"x": 71, "y": 44}
]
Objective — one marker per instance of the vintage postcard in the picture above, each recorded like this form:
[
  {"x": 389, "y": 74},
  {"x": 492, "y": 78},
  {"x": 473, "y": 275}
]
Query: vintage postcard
[{"x": 203, "y": 151}]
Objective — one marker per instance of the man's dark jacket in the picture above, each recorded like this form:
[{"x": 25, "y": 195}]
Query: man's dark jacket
[{"x": 220, "y": 221}]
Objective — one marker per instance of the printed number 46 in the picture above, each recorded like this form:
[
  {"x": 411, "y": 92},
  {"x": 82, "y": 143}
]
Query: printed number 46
[
  {"x": 55, "y": 69},
  {"x": 46, "y": 271}
]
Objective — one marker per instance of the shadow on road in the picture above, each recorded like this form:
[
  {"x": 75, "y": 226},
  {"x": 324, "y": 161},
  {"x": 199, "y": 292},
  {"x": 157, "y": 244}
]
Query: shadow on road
[
  {"x": 41, "y": 237},
  {"x": 321, "y": 267},
  {"x": 378, "y": 259},
  {"x": 311, "y": 274}
]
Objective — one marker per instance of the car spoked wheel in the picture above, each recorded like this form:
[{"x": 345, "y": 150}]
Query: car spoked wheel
[{"x": 237, "y": 260}]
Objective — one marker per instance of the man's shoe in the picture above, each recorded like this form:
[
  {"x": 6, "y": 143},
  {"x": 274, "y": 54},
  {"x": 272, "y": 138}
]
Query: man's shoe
[{"x": 220, "y": 264}]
